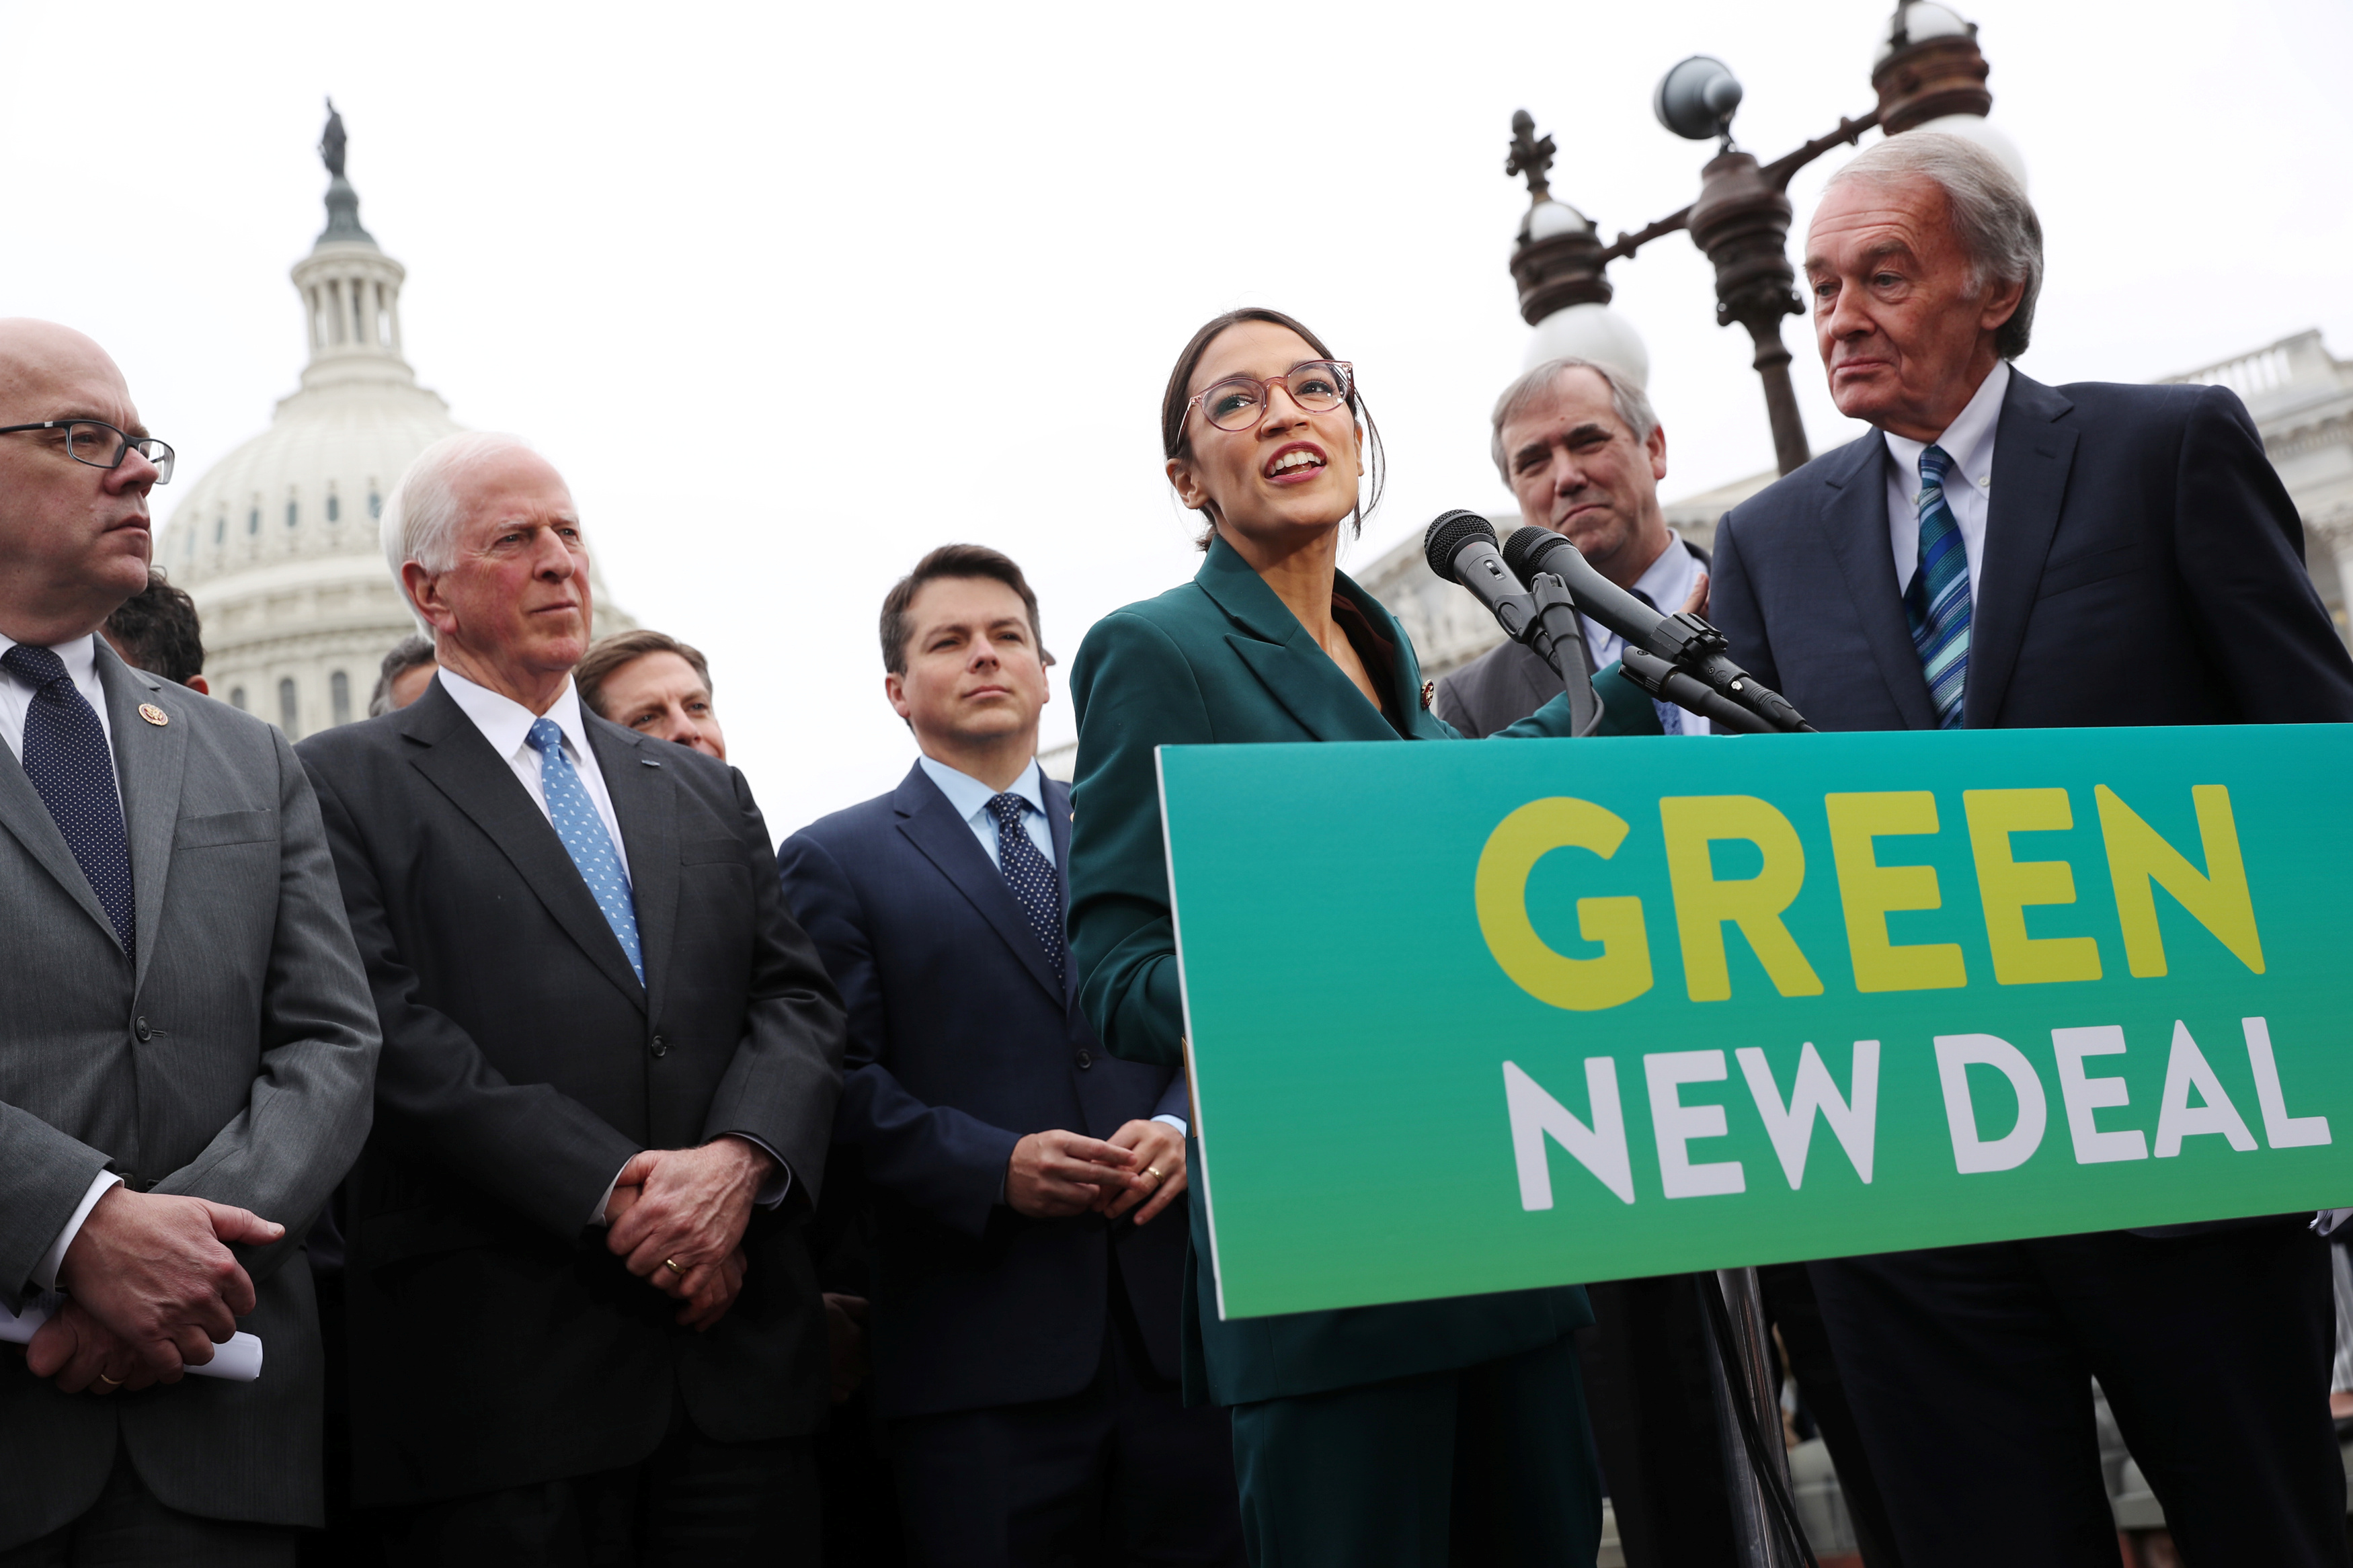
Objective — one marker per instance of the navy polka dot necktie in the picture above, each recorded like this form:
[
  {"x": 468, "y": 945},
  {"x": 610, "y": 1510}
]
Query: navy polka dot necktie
[
  {"x": 585, "y": 838},
  {"x": 1031, "y": 876},
  {"x": 66, "y": 758}
]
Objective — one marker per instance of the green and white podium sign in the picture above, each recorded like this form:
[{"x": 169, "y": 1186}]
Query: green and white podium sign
[{"x": 1466, "y": 1018}]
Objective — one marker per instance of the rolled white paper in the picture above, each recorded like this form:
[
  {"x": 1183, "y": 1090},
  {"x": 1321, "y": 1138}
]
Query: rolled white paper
[{"x": 239, "y": 1360}]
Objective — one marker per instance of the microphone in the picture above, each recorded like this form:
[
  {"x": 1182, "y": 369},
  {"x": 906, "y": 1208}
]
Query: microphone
[
  {"x": 1460, "y": 548},
  {"x": 1689, "y": 644}
]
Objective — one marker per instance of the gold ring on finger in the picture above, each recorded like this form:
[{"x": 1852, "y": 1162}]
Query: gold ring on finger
[
  {"x": 110, "y": 1382},
  {"x": 1153, "y": 1172},
  {"x": 672, "y": 1263}
]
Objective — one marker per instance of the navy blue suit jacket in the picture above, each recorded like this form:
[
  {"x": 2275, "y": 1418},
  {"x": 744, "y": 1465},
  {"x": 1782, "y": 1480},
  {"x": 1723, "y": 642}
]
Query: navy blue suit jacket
[
  {"x": 961, "y": 1041},
  {"x": 2143, "y": 565}
]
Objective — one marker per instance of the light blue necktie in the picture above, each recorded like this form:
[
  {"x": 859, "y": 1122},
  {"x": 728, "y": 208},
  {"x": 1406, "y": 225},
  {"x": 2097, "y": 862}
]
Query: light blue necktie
[
  {"x": 1937, "y": 603},
  {"x": 585, "y": 838}
]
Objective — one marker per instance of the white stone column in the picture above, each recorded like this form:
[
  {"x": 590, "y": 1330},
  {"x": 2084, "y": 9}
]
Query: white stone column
[{"x": 2335, "y": 530}]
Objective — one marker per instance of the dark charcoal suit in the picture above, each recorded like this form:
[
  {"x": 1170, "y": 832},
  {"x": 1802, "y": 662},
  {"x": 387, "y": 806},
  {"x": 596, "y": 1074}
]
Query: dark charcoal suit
[
  {"x": 2143, "y": 565},
  {"x": 1001, "y": 1343},
  {"x": 501, "y": 1345}
]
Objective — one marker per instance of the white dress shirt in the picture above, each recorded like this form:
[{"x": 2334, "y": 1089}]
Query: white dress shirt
[
  {"x": 80, "y": 658},
  {"x": 969, "y": 797},
  {"x": 1668, "y": 583},
  {"x": 506, "y": 725},
  {"x": 1969, "y": 482}
]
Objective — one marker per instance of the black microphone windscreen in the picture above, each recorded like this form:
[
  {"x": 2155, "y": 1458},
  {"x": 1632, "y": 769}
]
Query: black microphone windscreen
[
  {"x": 1447, "y": 534},
  {"x": 1525, "y": 550}
]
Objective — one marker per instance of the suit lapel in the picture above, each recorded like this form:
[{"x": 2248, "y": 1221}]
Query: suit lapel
[
  {"x": 1855, "y": 523},
  {"x": 2030, "y": 462},
  {"x": 1057, "y": 823},
  {"x": 1295, "y": 672},
  {"x": 151, "y": 760},
  {"x": 645, "y": 799},
  {"x": 945, "y": 839},
  {"x": 452, "y": 754}
]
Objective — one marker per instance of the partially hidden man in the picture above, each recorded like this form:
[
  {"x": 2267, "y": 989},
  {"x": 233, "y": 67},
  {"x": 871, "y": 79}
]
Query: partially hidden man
[
  {"x": 1029, "y": 1186},
  {"x": 1583, "y": 451},
  {"x": 587, "y": 1328},
  {"x": 2002, "y": 554},
  {"x": 187, "y": 1039}
]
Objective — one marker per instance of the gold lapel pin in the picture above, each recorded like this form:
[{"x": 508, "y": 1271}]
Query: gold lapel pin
[{"x": 153, "y": 715}]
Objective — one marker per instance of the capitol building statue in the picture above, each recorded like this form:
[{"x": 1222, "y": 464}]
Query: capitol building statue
[{"x": 277, "y": 543}]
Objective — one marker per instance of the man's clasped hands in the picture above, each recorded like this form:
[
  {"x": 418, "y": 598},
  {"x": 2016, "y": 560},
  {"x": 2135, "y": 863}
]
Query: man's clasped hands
[{"x": 151, "y": 1286}]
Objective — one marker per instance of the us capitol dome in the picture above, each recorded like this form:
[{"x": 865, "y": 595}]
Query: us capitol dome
[{"x": 277, "y": 543}]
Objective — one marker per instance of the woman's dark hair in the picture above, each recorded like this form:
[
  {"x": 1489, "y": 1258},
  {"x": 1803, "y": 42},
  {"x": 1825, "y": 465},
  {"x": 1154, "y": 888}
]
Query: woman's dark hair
[{"x": 1175, "y": 443}]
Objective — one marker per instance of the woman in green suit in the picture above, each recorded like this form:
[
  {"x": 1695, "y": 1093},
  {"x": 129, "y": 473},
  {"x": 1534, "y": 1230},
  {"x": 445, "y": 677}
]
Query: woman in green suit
[{"x": 1404, "y": 1435}]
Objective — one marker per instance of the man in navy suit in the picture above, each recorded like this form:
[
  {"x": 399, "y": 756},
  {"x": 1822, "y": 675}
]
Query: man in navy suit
[
  {"x": 1999, "y": 553},
  {"x": 1029, "y": 1242}
]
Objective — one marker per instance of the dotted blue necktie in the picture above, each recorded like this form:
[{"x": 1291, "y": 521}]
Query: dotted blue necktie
[
  {"x": 66, "y": 758},
  {"x": 1031, "y": 876},
  {"x": 585, "y": 838},
  {"x": 1937, "y": 603}
]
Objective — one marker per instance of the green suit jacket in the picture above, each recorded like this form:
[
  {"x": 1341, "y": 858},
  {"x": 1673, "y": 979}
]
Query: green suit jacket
[{"x": 1221, "y": 660}]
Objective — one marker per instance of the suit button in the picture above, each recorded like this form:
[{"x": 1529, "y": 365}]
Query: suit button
[
  {"x": 1086, "y": 1060},
  {"x": 143, "y": 1033},
  {"x": 660, "y": 1047}
]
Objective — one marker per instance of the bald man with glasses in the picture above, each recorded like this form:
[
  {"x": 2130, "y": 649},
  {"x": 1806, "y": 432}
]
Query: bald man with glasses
[{"x": 189, "y": 1045}]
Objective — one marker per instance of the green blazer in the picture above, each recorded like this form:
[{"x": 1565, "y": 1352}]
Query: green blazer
[{"x": 1221, "y": 660}]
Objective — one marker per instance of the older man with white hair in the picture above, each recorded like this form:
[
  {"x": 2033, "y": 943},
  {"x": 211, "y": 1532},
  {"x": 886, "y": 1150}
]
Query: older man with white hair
[
  {"x": 586, "y": 1327},
  {"x": 2000, "y": 553}
]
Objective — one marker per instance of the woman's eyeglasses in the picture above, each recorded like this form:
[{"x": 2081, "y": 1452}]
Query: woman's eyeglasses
[{"x": 1240, "y": 402}]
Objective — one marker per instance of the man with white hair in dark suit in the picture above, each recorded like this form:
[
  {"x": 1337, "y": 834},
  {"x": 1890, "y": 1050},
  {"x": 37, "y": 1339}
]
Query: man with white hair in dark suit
[{"x": 2001, "y": 555}]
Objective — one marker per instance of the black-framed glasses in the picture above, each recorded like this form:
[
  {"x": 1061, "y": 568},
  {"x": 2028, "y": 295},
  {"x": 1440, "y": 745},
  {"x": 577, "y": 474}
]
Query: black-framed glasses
[
  {"x": 1240, "y": 402},
  {"x": 102, "y": 446}
]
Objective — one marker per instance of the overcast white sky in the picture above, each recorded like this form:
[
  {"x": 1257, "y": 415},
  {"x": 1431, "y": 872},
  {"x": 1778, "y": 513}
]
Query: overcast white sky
[{"x": 794, "y": 293}]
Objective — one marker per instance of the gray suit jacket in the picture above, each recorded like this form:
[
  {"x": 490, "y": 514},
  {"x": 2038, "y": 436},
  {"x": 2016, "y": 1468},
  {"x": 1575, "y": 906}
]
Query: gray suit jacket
[{"x": 232, "y": 1062}]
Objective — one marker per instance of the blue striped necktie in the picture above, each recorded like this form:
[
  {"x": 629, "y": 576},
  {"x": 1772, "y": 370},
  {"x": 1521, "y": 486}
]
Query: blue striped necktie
[{"x": 1937, "y": 603}]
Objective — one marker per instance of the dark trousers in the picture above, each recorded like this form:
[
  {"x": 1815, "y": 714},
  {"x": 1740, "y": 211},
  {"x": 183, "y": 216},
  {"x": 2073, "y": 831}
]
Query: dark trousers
[
  {"x": 1646, "y": 1376},
  {"x": 1119, "y": 1473},
  {"x": 1490, "y": 1465},
  {"x": 692, "y": 1503},
  {"x": 127, "y": 1528},
  {"x": 1969, "y": 1369}
]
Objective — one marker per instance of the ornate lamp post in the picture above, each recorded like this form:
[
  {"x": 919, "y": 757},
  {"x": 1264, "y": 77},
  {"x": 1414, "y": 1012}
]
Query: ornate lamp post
[{"x": 1929, "y": 73}]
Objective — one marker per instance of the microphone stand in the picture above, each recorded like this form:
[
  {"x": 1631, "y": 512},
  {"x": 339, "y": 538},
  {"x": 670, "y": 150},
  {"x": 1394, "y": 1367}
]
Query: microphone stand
[
  {"x": 1765, "y": 1530},
  {"x": 1553, "y": 628}
]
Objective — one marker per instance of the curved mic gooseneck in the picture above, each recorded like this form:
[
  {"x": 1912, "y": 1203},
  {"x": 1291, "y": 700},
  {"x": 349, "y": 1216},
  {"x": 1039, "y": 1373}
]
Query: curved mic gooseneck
[
  {"x": 1460, "y": 548},
  {"x": 1668, "y": 656}
]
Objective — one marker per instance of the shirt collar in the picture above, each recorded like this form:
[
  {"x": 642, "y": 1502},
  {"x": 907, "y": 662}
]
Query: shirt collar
[
  {"x": 1968, "y": 440},
  {"x": 506, "y": 723},
  {"x": 79, "y": 657},
  {"x": 971, "y": 797},
  {"x": 1668, "y": 579}
]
